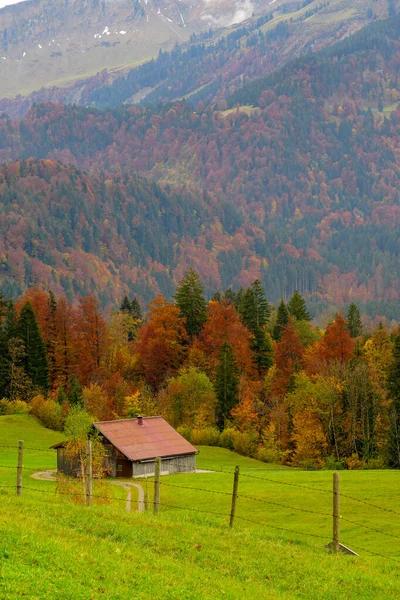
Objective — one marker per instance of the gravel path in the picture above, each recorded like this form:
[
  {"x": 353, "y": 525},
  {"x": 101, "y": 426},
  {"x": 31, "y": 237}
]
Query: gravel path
[{"x": 127, "y": 485}]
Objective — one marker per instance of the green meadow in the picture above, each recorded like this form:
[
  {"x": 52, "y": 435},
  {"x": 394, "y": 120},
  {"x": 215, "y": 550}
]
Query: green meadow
[{"x": 51, "y": 548}]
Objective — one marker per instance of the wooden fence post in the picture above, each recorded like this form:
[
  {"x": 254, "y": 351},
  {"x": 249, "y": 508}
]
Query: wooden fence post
[
  {"x": 336, "y": 513},
  {"x": 146, "y": 496},
  {"x": 157, "y": 481},
  {"x": 234, "y": 495},
  {"x": 89, "y": 474},
  {"x": 19, "y": 467}
]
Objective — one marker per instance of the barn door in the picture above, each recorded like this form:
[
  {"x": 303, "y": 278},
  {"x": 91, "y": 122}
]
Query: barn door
[{"x": 124, "y": 468}]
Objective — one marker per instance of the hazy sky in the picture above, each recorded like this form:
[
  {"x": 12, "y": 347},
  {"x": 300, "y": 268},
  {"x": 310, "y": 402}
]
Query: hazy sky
[{"x": 7, "y": 2}]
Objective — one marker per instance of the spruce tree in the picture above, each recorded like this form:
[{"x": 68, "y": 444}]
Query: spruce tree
[
  {"x": 36, "y": 363},
  {"x": 74, "y": 395},
  {"x": 393, "y": 386},
  {"x": 136, "y": 310},
  {"x": 282, "y": 319},
  {"x": 354, "y": 324},
  {"x": 255, "y": 312},
  {"x": 19, "y": 384},
  {"x": 8, "y": 330},
  {"x": 61, "y": 395},
  {"x": 297, "y": 307},
  {"x": 254, "y": 308},
  {"x": 133, "y": 311},
  {"x": 229, "y": 296},
  {"x": 226, "y": 384},
  {"x": 125, "y": 306},
  {"x": 191, "y": 303}
]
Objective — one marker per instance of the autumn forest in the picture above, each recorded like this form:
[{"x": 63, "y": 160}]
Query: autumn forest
[{"x": 235, "y": 372}]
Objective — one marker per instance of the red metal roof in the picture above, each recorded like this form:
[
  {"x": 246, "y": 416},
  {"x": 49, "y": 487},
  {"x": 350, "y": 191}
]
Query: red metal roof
[{"x": 154, "y": 437}]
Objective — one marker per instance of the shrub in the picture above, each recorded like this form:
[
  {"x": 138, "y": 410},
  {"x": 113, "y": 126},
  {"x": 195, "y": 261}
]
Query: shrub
[
  {"x": 354, "y": 463},
  {"x": 48, "y": 412},
  {"x": 268, "y": 455},
  {"x": 375, "y": 463},
  {"x": 185, "y": 432},
  {"x": 331, "y": 464},
  {"x": 244, "y": 443},
  {"x": 226, "y": 438},
  {"x": 14, "y": 407},
  {"x": 209, "y": 436}
]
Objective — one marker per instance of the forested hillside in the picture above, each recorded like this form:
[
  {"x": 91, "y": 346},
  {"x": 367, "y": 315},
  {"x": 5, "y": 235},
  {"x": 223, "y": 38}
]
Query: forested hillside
[
  {"x": 75, "y": 234},
  {"x": 234, "y": 371},
  {"x": 291, "y": 186}
]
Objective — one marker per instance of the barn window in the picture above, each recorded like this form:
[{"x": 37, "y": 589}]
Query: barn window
[{"x": 119, "y": 467}]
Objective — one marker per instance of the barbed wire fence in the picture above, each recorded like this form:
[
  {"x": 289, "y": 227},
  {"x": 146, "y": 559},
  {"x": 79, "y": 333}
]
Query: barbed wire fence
[{"x": 233, "y": 496}]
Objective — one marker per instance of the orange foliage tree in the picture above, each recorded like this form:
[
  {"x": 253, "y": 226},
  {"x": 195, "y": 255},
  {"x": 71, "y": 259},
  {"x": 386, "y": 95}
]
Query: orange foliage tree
[
  {"x": 162, "y": 342},
  {"x": 337, "y": 345},
  {"x": 223, "y": 325},
  {"x": 90, "y": 340}
]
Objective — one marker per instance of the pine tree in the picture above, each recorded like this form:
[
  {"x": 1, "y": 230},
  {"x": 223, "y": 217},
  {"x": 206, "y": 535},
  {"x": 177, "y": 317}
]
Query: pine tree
[
  {"x": 297, "y": 307},
  {"x": 354, "y": 324},
  {"x": 393, "y": 386},
  {"x": 282, "y": 320},
  {"x": 75, "y": 393},
  {"x": 226, "y": 384},
  {"x": 191, "y": 303},
  {"x": 36, "y": 363}
]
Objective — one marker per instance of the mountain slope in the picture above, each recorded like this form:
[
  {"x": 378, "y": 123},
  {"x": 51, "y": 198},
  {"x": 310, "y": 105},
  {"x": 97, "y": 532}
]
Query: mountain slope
[
  {"x": 45, "y": 42},
  {"x": 289, "y": 188},
  {"x": 91, "y": 53},
  {"x": 77, "y": 234}
]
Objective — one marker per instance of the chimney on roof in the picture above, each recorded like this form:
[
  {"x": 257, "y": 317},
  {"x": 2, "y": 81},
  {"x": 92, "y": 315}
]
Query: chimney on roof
[{"x": 140, "y": 420}]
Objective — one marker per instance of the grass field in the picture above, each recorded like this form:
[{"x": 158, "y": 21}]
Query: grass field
[{"x": 53, "y": 549}]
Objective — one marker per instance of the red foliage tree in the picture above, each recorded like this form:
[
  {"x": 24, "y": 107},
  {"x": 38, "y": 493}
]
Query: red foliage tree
[{"x": 289, "y": 353}]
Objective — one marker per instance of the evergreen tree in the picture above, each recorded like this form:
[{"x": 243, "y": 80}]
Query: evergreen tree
[
  {"x": 297, "y": 307},
  {"x": 255, "y": 312},
  {"x": 61, "y": 395},
  {"x": 254, "y": 308},
  {"x": 230, "y": 296},
  {"x": 354, "y": 324},
  {"x": 393, "y": 386},
  {"x": 19, "y": 385},
  {"x": 133, "y": 312},
  {"x": 191, "y": 303},
  {"x": 217, "y": 297},
  {"x": 8, "y": 330},
  {"x": 74, "y": 395},
  {"x": 136, "y": 310},
  {"x": 226, "y": 384},
  {"x": 36, "y": 363},
  {"x": 282, "y": 319},
  {"x": 125, "y": 306}
]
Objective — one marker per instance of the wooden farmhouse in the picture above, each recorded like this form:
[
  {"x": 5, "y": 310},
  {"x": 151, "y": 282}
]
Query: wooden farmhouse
[{"x": 134, "y": 444}]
